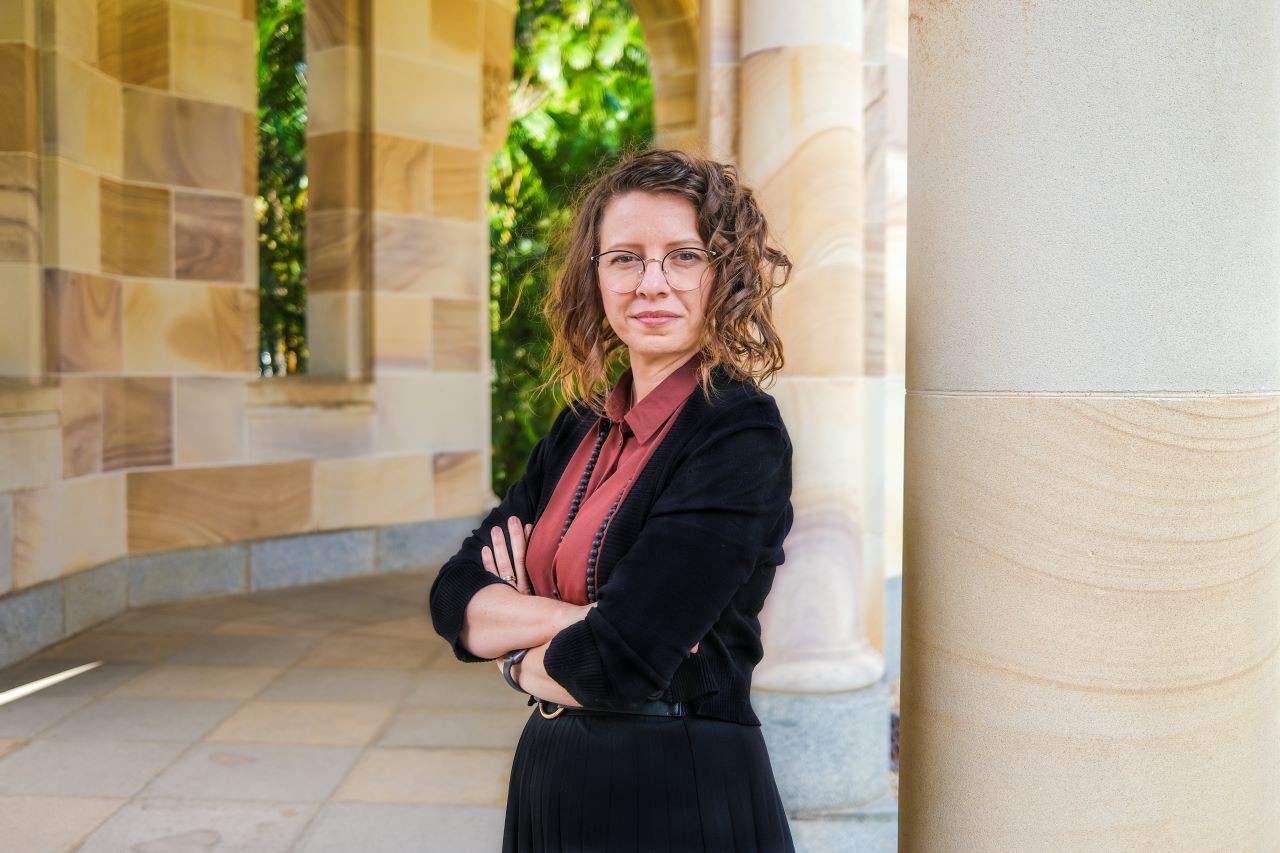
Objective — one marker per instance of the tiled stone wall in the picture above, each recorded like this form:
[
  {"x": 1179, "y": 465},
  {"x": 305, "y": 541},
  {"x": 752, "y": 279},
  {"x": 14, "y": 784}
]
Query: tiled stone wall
[{"x": 134, "y": 430}]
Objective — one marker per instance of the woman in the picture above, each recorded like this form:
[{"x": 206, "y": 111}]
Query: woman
[{"x": 620, "y": 579}]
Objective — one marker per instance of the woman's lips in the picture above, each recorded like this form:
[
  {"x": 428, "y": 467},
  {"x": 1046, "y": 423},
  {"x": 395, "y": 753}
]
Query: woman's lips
[{"x": 655, "y": 322}]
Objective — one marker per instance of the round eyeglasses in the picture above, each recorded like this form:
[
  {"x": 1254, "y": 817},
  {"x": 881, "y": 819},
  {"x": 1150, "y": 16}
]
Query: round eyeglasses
[{"x": 622, "y": 271}]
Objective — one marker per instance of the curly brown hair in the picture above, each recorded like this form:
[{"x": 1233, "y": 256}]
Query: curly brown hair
[{"x": 738, "y": 333}]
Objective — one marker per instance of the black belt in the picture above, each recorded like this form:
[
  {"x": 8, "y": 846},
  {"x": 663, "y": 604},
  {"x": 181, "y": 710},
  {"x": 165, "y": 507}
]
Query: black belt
[{"x": 653, "y": 708}]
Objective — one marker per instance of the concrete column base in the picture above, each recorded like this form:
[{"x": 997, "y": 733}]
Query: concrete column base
[
  {"x": 830, "y": 751},
  {"x": 872, "y": 828}
]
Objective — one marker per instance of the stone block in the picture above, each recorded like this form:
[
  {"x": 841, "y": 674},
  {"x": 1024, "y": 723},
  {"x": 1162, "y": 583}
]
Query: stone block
[
  {"x": 383, "y": 826},
  {"x": 71, "y": 218},
  {"x": 183, "y": 141},
  {"x": 20, "y": 130},
  {"x": 459, "y": 331},
  {"x": 83, "y": 328},
  {"x": 202, "y": 506},
  {"x": 185, "y": 575},
  {"x": 208, "y": 237},
  {"x": 209, "y": 418},
  {"x": 451, "y": 116},
  {"x": 333, "y": 169},
  {"x": 94, "y": 595},
  {"x": 425, "y": 545},
  {"x": 458, "y": 186},
  {"x": 19, "y": 208},
  {"x": 67, "y": 526},
  {"x": 30, "y": 445},
  {"x": 81, "y": 426},
  {"x": 143, "y": 44},
  {"x": 81, "y": 114},
  {"x": 244, "y": 772},
  {"x": 309, "y": 432},
  {"x": 437, "y": 257},
  {"x": 412, "y": 413},
  {"x": 29, "y": 620},
  {"x": 156, "y": 825},
  {"x": 136, "y": 227},
  {"x": 402, "y": 330},
  {"x": 189, "y": 328},
  {"x": 21, "y": 323},
  {"x": 402, "y": 173},
  {"x": 137, "y": 418},
  {"x": 317, "y": 557},
  {"x": 213, "y": 57},
  {"x": 332, "y": 22},
  {"x": 461, "y": 485},
  {"x": 335, "y": 253},
  {"x": 371, "y": 491},
  {"x": 334, "y": 87}
]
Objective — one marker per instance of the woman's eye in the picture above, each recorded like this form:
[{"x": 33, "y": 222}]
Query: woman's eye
[
  {"x": 687, "y": 257},
  {"x": 623, "y": 260}
]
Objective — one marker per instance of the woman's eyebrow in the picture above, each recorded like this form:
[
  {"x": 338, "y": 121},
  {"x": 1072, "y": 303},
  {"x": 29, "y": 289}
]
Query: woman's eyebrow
[{"x": 693, "y": 242}]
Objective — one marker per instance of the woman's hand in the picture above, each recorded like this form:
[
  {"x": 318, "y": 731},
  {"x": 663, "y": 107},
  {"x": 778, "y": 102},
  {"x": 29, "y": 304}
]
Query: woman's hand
[{"x": 496, "y": 559}]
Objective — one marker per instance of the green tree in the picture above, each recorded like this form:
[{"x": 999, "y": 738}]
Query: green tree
[
  {"x": 281, "y": 205},
  {"x": 581, "y": 97}
]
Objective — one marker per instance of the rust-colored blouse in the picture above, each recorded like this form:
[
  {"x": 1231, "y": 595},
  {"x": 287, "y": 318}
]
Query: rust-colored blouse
[{"x": 558, "y": 569}]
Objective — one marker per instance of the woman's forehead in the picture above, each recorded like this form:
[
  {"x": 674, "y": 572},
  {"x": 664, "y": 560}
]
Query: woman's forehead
[{"x": 643, "y": 216}]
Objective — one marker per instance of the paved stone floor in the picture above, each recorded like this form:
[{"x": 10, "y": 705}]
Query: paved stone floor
[{"x": 324, "y": 718}]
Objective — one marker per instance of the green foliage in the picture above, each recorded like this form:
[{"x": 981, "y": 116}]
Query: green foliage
[
  {"x": 581, "y": 95},
  {"x": 281, "y": 204}
]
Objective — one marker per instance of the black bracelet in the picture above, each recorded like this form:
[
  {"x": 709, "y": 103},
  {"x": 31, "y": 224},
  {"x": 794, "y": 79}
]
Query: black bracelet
[{"x": 510, "y": 661}]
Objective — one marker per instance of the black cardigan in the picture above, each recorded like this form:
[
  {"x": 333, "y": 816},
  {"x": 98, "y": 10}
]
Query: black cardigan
[{"x": 688, "y": 558}]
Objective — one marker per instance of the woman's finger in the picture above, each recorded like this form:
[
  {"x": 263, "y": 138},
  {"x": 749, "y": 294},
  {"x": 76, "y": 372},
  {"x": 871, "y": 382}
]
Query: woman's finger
[
  {"x": 486, "y": 557},
  {"x": 517, "y": 547},
  {"x": 501, "y": 556}
]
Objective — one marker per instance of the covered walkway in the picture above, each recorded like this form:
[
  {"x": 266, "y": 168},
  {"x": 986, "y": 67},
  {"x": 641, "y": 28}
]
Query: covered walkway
[{"x": 320, "y": 718}]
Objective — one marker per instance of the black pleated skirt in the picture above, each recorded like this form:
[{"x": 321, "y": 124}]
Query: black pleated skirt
[{"x": 608, "y": 783}]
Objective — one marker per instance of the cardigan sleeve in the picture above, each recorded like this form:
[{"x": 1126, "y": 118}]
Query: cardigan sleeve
[
  {"x": 720, "y": 514},
  {"x": 464, "y": 574}
]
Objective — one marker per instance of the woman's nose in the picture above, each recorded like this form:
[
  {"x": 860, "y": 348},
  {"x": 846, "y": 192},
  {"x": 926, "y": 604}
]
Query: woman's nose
[{"x": 652, "y": 277}]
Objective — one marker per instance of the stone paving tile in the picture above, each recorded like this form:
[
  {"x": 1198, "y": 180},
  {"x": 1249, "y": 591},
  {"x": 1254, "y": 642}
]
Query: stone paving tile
[
  {"x": 455, "y": 728},
  {"x": 223, "y": 609},
  {"x": 340, "y": 685},
  {"x": 408, "y": 628},
  {"x": 179, "y": 681},
  {"x": 30, "y": 715},
  {"x": 25, "y": 823},
  {"x": 9, "y": 744},
  {"x": 460, "y": 777},
  {"x": 480, "y": 686},
  {"x": 332, "y": 723},
  {"x": 181, "y": 826},
  {"x": 258, "y": 629},
  {"x": 98, "y": 681},
  {"x": 245, "y": 651},
  {"x": 253, "y": 772},
  {"x": 101, "y": 645},
  {"x": 143, "y": 718},
  {"x": 381, "y": 828},
  {"x": 348, "y": 651},
  {"x": 151, "y": 621},
  {"x": 80, "y": 768}
]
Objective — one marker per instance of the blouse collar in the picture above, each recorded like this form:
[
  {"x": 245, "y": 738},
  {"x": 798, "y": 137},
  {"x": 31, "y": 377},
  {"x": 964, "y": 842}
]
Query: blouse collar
[{"x": 647, "y": 417}]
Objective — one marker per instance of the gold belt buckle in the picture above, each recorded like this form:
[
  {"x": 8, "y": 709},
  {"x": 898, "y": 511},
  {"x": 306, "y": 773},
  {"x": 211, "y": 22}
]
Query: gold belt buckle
[{"x": 542, "y": 703}]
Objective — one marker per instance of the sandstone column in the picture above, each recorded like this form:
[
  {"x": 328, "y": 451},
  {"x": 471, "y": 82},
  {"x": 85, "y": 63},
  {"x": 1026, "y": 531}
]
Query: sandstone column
[
  {"x": 1092, "y": 518},
  {"x": 819, "y": 688}
]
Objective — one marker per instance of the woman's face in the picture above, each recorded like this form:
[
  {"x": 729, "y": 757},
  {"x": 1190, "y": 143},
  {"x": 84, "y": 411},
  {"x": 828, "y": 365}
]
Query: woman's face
[{"x": 651, "y": 225}]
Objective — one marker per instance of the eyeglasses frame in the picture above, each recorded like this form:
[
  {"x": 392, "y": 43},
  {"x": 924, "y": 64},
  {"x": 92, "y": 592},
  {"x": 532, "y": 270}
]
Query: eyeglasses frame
[{"x": 644, "y": 264}]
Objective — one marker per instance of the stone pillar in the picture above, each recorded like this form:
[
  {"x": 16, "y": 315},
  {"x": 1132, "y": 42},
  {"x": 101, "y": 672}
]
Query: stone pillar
[
  {"x": 1092, "y": 514},
  {"x": 819, "y": 688}
]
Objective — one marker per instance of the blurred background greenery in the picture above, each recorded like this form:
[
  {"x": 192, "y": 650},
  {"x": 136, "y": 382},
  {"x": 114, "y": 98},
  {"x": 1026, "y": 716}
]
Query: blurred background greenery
[{"x": 581, "y": 97}]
